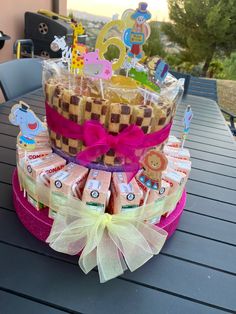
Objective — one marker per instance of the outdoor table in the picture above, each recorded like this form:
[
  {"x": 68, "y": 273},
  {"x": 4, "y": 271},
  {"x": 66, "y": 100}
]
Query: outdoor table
[{"x": 195, "y": 271}]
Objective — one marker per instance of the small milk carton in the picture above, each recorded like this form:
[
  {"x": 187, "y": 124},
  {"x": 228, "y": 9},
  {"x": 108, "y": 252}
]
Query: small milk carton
[
  {"x": 180, "y": 165},
  {"x": 173, "y": 141},
  {"x": 180, "y": 153},
  {"x": 69, "y": 181},
  {"x": 40, "y": 170},
  {"x": 174, "y": 178},
  {"x": 125, "y": 196},
  {"x": 96, "y": 192}
]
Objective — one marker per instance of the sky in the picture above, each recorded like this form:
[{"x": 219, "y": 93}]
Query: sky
[{"x": 158, "y": 8}]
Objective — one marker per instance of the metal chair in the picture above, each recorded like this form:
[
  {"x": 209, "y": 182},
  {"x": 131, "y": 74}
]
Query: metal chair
[{"x": 18, "y": 77}]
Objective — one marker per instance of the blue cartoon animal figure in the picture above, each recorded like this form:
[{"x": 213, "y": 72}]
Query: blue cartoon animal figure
[
  {"x": 161, "y": 71},
  {"x": 29, "y": 124}
]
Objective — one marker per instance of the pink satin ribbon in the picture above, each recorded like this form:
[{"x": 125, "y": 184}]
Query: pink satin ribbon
[{"x": 99, "y": 141}]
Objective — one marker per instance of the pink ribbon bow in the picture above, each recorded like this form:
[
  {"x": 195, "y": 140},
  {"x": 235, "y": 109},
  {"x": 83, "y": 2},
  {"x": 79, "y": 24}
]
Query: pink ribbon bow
[
  {"x": 99, "y": 142},
  {"x": 128, "y": 144}
]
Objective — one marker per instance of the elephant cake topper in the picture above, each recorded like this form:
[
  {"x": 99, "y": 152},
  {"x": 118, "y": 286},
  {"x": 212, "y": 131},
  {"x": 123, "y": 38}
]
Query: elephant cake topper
[{"x": 30, "y": 125}]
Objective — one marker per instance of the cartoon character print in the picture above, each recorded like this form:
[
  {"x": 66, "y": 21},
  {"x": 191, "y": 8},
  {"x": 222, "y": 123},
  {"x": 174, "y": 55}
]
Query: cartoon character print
[
  {"x": 59, "y": 43},
  {"x": 134, "y": 38},
  {"x": 29, "y": 124},
  {"x": 154, "y": 163},
  {"x": 96, "y": 67}
]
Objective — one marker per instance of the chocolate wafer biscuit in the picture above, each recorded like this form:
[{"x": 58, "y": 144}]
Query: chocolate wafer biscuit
[
  {"x": 72, "y": 108},
  {"x": 96, "y": 109},
  {"x": 159, "y": 118},
  {"x": 49, "y": 89},
  {"x": 119, "y": 119},
  {"x": 142, "y": 117}
]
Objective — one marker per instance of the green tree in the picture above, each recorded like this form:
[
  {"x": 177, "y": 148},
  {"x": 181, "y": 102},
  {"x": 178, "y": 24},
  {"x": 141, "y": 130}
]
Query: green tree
[
  {"x": 229, "y": 66},
  {"x": 154, "y": 46},
  {"x": 202, "y": 28}
]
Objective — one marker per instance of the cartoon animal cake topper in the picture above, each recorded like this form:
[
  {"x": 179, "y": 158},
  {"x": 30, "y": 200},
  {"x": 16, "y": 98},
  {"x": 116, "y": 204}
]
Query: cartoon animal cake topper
[
  {"x": 59, "y": 43},
  {"x": 161, "y": 71},
  {"x": 188, "y": 115},
  {"x": 78, "y": 49},
  {"x": 154, "y": 163},
  {"x": 135, "y": 36},
  {"x": 95, "y": 67},
  {"x": 29, "y": 123},
  {"x": 158, "y": 69}
]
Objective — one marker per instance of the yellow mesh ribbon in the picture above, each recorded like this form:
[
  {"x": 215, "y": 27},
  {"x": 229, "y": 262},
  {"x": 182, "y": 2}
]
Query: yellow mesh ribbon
[{"x": 113, "y": 243}]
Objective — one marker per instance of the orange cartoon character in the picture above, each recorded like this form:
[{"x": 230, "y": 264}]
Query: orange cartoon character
[{"x": 154, "y": 163}]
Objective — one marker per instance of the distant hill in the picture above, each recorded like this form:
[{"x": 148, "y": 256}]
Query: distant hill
[{"x": 90, "y": 17}]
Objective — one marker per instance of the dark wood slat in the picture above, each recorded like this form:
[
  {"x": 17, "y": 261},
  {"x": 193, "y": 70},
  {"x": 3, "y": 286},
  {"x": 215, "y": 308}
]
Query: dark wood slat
[
  {"x": 213, "y": 167},
  {"x": 7, "y": 141},
  {"x": 212, "y": 192},
  {"x": 84, "y": 293},
  {"x": 193, "y": 281},
  {"x": 201, "y": 134},
  {"x": 211, "y": 208},
  {"x": 11, "y": 304},
  {"x": 180, "y": 245},
  {"x": 218, "y": 159},
  {"x": 208, "y": 227},
  {"x": 6, "y": 173},
  {"x": 204, "y": 119},
  {"x": 205, "y": 128},
  {"x": 207, "y": 141},
  {"x": 7, "y": 156},
  {"x": 201, "y": 250},
  {"x": 212, "y": 178},
  {"x": 6, "y": 196}
]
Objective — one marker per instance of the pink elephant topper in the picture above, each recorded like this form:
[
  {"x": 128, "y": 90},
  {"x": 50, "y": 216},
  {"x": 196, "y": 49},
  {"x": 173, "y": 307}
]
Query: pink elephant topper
[{"x": 95, "y": 67}]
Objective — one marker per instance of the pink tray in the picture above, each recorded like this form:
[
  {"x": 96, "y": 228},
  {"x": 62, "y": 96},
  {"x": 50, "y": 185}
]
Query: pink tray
[{"x": 39, "y": 224}]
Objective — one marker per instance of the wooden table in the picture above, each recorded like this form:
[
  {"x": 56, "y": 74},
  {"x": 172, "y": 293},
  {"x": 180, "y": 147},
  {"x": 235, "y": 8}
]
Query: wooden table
[{"x": 195, "y": 272}]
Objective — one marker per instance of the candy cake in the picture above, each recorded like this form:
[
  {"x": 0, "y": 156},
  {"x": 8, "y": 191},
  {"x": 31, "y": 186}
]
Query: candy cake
[{"x": 102, "y": 177}]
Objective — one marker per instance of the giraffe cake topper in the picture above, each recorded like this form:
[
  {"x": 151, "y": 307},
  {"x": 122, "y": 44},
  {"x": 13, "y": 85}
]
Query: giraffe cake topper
[{"x": 78, "y": 49}]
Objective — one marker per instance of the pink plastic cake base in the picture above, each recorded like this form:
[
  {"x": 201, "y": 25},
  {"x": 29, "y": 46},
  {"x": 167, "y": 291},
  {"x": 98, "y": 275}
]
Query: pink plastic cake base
[{"x": 39, "y": 224}]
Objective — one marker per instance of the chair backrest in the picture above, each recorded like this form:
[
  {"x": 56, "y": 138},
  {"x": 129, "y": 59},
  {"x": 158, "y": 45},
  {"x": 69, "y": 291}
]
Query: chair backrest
[
  {"x": 21, "y": 76},
  {"x": 186, "y": 76}
]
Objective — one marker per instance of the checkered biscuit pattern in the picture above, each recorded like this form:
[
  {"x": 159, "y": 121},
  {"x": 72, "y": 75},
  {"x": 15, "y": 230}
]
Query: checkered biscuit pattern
[
  {"x": 167, "y": 106},
  {"x": 72, "y": 108},
  {"x": 119, "y": 119},
  {"x": 56, "y": 104},
  {"x": 96, "y": 109},
  {"x": 49, "y": 89},
  {"x": 159, "y": 119},
  {"x": 142, "y": 116}
]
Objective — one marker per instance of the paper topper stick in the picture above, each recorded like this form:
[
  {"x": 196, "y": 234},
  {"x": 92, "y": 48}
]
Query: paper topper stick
[
  {"x": 188, "y": 115},
  {"x": 154, "y": 163},
  {"x": 161, "y": 70},
  {"x": 29, "y": 124}
]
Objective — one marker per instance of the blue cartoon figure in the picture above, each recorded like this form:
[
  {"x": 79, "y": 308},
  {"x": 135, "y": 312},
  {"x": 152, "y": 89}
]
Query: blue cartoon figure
[
  {"x": 29, "y": 124},
  {"x": 161, "y": 71},
  {"x": 136, "y": 36}
]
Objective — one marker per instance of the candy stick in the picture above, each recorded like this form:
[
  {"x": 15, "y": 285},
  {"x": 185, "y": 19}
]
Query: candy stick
[{"x": 101, "y": 88}]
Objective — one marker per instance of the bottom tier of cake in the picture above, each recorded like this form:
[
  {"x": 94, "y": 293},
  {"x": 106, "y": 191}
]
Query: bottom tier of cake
[{"x": 39, "y": 224}]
